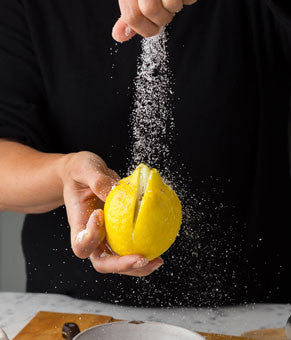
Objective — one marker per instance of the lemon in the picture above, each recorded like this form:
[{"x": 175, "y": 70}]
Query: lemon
[{"x": 143, "y": 215}]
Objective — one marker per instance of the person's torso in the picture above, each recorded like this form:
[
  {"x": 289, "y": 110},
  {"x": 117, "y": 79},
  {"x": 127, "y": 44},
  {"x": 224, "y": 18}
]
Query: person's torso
[{"x": 230, "y": 111}]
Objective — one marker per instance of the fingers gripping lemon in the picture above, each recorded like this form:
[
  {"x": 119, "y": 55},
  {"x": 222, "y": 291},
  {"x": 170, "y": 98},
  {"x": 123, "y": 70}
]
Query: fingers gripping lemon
[{"x": 143, "y": 215}]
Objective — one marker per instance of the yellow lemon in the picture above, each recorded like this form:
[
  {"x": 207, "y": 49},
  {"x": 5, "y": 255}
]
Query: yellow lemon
[{"x": 143, "y": 215}]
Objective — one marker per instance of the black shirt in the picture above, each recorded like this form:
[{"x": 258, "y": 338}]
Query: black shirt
[{"x": 231, "y": 61}]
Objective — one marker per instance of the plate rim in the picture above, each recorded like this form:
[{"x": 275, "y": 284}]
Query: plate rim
[{"x": 199, "y": 336}]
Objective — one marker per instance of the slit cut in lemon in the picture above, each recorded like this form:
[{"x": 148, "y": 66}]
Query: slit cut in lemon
[
  {"x": 143, "y": 215},
  {"x": 144, "y": 175}
]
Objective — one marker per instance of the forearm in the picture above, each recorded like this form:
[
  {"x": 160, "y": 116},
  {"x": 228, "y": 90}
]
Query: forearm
[{"x": 30, "y": 181}]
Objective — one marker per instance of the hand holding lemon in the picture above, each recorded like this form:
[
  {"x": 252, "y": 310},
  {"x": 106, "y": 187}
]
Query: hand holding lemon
[{"x": 143, "y": 217}]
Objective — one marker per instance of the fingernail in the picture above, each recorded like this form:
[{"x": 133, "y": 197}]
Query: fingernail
[
  {"x": 96, "y": 215},
  {"x": 158, "y": 265},
  {"x": 100, "y": 217},
  {"x": 127, "y": 31},
  {"x": 105, "y": 254},
  {"x": 91, "y": 217},
  {"x": 109, "y": 250},
  {"x": 140, "y": 263}
]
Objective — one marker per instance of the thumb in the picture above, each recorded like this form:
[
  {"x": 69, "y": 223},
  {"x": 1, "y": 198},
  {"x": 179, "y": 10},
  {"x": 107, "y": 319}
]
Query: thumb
[
  {"x": 122, "y": 32},
  {"x": 85, "y": 241}
]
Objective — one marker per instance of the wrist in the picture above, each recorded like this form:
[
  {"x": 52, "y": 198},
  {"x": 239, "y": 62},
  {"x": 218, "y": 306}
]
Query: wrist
[{"x": 63, "y": 166}]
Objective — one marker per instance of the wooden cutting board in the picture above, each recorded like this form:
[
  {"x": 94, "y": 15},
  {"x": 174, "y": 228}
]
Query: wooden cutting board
[
  {"x": 267, "y": 334},
  {"x": 48, "y": 326}
]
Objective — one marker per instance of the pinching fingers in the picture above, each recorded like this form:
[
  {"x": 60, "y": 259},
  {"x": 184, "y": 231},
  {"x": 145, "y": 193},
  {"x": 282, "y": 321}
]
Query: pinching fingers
[{"x": 132, "y": 15}]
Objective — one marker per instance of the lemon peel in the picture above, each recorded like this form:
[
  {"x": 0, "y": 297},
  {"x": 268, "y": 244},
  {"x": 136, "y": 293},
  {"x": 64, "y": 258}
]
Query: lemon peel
[{"x": 143, "y": 215}]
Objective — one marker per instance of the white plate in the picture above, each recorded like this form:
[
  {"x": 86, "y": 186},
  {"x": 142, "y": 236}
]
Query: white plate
[{"x": 137, "y": 331}]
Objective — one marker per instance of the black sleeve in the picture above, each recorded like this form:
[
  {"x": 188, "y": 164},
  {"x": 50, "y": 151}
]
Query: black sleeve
[
  {"x": 281, "y": 9},
  {"x": 22, "y": 96}
]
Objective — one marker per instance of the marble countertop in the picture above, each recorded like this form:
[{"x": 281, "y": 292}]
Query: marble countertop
[{"x": 17, "y": 309}]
